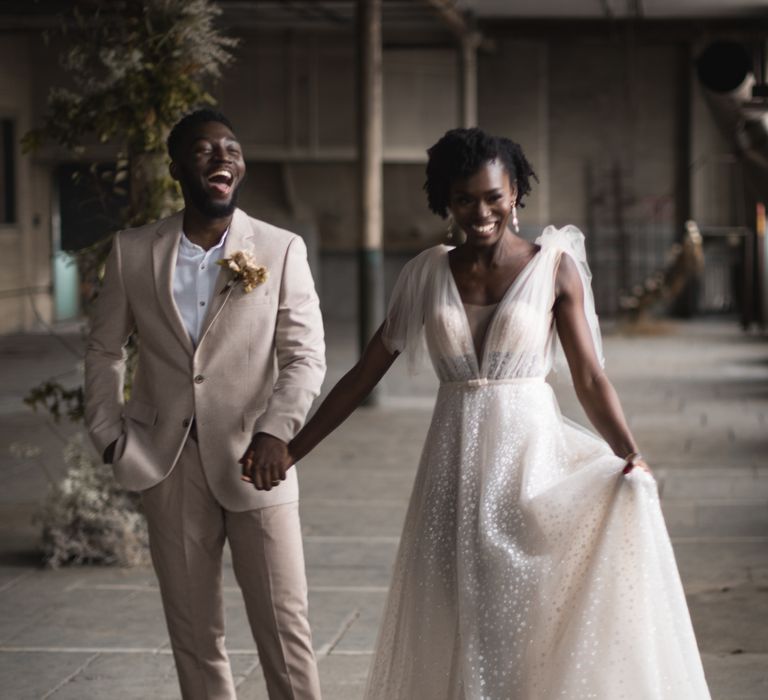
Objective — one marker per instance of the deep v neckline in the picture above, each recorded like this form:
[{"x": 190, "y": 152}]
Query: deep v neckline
[{"x": 480, "y": 360}]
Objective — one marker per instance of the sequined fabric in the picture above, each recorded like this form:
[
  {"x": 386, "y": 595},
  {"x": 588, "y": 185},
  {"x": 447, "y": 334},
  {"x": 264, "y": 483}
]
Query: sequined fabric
[{"x": 529, "y": 567}]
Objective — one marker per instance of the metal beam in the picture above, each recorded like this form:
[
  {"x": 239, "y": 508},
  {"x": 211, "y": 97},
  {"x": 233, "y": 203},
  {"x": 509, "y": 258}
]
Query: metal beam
[{"x": 460, "y": 24}]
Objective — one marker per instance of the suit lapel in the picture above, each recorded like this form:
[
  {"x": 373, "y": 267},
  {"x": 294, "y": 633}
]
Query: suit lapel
[
  {"x": 239, "y": 238},
  {"x": 165, "y": 250}
]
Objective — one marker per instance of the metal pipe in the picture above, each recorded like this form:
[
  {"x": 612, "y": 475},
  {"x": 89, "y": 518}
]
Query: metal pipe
[{"x": 725, "y": 69}]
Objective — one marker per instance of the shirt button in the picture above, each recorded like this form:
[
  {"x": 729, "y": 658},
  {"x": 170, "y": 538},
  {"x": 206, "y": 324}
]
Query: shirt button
[
  {"x": 202, "y": 303},
  {"x": 202, "y": 267},
  {"x": 185, "y": 423},
  {"x": 199, "y": 379}
]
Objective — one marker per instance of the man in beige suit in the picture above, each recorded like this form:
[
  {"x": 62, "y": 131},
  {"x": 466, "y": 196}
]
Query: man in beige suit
[{"x": 224, "y": 368}]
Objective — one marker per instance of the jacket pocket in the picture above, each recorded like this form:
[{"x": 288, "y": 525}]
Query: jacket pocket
[
  {"x": 255, "y": 297},
  {"x": 141, "y": 412}
]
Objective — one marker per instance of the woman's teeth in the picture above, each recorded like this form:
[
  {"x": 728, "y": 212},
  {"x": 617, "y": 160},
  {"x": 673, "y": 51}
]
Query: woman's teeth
[{"x": 488, "y": 228}]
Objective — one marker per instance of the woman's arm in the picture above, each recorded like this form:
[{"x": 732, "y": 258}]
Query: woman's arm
[
  {"x": 344, "y": 398},
  {"x": 593, "y": 388}
]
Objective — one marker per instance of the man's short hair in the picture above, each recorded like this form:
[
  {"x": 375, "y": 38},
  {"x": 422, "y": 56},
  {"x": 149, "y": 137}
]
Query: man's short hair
[{"x": 187, "y": 122}]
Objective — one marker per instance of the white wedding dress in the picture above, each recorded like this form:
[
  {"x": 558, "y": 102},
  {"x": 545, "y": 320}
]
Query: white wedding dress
[{"x": 529, "y": 567}]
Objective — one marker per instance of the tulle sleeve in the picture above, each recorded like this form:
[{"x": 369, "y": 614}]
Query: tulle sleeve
[
  {"x": 403, "y": 330},
  {"x": 570, "y": 240}
]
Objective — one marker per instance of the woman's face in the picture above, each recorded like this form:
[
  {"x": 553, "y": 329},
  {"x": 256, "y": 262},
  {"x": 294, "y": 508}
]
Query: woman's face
[{"x": 482, "y": 203}]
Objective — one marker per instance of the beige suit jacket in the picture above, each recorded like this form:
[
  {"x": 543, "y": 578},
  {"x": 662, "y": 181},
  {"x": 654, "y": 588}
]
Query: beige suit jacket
[{"x": 257, "y": 367}]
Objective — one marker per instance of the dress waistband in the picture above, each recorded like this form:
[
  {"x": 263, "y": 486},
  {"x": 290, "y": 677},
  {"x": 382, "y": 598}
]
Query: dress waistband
[{"x": 484, "y": 381}]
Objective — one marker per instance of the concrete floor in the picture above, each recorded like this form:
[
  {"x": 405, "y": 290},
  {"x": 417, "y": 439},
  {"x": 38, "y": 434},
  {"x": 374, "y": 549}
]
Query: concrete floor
[{"x": 696, "y": 395}]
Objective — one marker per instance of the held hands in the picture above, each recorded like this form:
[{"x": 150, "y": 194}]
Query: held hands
[{"x": 265, "y": 462}]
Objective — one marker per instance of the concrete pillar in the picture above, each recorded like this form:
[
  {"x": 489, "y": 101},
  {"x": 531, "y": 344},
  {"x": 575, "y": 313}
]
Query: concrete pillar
[
  {"x": 369, "y": 154},
  {"x": 468, "y": 72}
]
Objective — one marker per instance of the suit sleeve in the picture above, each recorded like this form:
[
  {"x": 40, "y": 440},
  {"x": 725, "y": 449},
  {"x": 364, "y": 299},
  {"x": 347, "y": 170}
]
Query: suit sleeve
[
  {"x": 300, "y": 349},
  {"x": 111, "y": 325}
]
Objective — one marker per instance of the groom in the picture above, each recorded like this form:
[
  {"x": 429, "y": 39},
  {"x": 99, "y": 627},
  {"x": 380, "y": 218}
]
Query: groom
[{"x": 228, "y": 362}]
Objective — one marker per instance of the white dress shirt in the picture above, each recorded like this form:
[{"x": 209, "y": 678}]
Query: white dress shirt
[{"x": 194, "y": 280}]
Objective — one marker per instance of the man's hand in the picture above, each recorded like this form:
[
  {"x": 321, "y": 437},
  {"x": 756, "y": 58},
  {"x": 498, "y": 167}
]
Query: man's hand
[{"x": 265, "y": 462}]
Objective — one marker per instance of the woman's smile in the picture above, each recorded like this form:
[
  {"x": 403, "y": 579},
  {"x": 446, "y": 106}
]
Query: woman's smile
[
  {"x": 482, "y": 203},
  {"x": 484, "y": 229}
]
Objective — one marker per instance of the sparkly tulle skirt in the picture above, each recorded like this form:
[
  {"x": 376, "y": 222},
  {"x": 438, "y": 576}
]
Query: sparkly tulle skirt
[{"x": 529, "y": 567}]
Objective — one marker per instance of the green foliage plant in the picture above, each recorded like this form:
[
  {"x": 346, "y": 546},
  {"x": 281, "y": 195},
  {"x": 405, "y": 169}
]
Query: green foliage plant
[{"x": 135, "y": 67}]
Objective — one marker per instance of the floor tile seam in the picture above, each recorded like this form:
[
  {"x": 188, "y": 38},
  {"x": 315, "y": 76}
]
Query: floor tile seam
[
  {"x": 244, "y": 677},
  {"x": 727, "y": 467},
  {"x": 344, "y": 539},
  {"x": 82, "y": 584},
  {"x": 718, "y": 471},
  {"x": 695, "y": 589},
  {"x": 346, "y": 623},
  {"x": 148, "y": 588},
  {"x": 347, "y": 589},
  {"x": 711, "y": 501},
  {"x": 10, "y": 584},
  {"x": 319, "y": 500},
  {"x": 719, "y": 539},
  {"x": 728, "y": 654},
  {"x": 72, "y": 675},
  {"x": 394, "y": 539},
  {"x": 96, "y": 651}
]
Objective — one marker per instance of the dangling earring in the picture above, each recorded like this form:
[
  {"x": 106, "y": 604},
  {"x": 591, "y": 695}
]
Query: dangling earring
[
  {"x": 515, "y": 222},
  {"x": 451, "y": 228}
]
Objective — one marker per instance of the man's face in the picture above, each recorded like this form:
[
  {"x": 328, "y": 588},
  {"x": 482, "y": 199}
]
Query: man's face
[{"x": 210, "y": 169}]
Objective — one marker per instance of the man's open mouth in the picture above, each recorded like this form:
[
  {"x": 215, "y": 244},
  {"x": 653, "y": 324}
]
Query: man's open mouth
[{"x": 221, "y": 181}]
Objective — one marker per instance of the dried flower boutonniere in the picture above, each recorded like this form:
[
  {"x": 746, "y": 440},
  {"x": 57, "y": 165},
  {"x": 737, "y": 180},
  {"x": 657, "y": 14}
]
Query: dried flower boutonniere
[{"x": 245, "y": 270}]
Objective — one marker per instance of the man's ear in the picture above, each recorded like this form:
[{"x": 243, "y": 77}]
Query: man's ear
[{"x": 173, "y": 169}]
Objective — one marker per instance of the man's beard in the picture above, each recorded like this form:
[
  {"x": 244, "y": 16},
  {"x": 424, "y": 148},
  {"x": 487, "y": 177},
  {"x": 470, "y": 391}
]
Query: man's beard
[{"x": 200, "y": 199}]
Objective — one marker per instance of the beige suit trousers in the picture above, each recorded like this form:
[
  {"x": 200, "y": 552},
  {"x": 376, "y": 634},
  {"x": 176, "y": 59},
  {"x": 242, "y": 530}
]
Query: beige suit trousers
[{"x": 187, "y": 530}]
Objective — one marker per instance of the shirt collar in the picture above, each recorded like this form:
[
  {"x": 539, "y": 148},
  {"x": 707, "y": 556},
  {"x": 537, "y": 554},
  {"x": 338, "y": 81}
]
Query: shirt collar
[{"x": 190, "y": 247}]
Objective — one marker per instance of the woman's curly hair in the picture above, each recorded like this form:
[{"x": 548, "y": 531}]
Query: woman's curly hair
[{"x": 461, "y": 153}]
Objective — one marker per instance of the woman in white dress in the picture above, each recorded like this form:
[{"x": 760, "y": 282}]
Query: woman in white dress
[{"x": 534, "y": 562}]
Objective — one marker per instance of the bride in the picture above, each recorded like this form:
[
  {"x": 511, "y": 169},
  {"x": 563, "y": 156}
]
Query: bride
[{"x": 534, "y": 562}]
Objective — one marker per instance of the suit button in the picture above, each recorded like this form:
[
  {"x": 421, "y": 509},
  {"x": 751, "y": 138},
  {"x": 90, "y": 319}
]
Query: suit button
[
  {"x": 199, "y": 379},
  {"x": 185, "y": 423}
]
